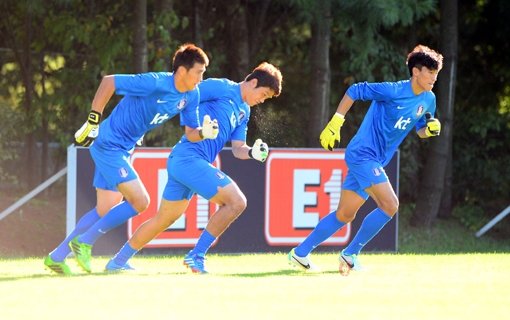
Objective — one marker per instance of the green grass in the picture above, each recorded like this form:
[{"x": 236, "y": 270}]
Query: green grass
[{"x": 262, "y": 286}]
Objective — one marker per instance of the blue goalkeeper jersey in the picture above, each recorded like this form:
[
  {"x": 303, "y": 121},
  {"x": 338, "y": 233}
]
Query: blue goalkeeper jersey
[
  {"x": 150, "y": 99},
  {"x": 220, "y": 99},
  {"x": 394, "y": 111}
]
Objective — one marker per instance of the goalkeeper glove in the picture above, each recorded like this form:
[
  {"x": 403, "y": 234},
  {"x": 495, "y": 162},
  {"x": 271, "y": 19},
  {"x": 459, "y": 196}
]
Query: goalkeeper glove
[
  {"x": 259, "y": 151},
  {"x": 209, "y": 129},
  {"x": 433, "y": 128},
  {"x": 86, "y": 135},
  {"x": 330, "y": 136}
]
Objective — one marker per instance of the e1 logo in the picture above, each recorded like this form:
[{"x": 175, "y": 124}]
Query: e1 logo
[
  {"x": 301, "y": 188},
  {"x": 151, "y": 167}
]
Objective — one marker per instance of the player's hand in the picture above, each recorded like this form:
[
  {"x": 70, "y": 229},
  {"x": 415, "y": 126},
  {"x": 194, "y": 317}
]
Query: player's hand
[
  {"x": 259, "y": 151},
  {"x": 433, "y": 128},
  {"x": 86, "y": 135},
  {"x": 209, "y": 129},
  {"x": 330, "y": 136}
]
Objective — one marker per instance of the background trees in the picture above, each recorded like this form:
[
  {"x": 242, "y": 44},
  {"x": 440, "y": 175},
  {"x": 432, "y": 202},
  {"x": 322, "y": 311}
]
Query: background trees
[{"x": 53, "y": 56}]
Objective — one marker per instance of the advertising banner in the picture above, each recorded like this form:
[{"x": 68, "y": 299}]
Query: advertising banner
[{"x": 287, "y": 196}]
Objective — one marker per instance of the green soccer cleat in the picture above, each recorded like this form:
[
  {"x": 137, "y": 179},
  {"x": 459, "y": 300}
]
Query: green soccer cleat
[
  {"x": 82, "y": 253},
  {"x": 57, "y": 267}
]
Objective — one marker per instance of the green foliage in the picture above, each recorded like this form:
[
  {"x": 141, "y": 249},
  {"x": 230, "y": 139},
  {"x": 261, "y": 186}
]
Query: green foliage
[{"x": 470, "y": 216}]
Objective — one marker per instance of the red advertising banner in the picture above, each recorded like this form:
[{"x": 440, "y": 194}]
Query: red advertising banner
[{"x": 301, "y": 188}]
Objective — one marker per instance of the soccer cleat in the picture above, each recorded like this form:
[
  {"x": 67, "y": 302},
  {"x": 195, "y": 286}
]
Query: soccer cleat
[
  {"x": 112, "y": 266},
  {"x": 57, "y": 267},
  {"x": 196, "y": 262},
  {"x": 348, "y": 263},
  {"x": 82, "y": 253},
  {"x": 303, "y": 263}
]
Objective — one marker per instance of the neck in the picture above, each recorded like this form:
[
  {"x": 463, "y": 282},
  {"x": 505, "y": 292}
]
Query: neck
[
  {"x": 179, "y": 83},
  {"x": 417, "y": 89}
]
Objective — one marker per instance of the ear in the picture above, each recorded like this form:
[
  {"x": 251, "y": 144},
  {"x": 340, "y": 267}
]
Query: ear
[
  {"x": 416, "y": 71},
  {"x": 253, "y": 83}
]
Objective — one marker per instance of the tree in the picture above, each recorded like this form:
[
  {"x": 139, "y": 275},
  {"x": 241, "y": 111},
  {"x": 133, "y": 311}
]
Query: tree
[
  {"x": 140, "y": 56},
  {"x": 320, "y": 77},
  {"x": 439, "y": 153}
]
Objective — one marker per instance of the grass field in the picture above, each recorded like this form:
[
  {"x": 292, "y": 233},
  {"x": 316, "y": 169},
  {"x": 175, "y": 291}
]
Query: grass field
[{"x": 263, "y": 286}]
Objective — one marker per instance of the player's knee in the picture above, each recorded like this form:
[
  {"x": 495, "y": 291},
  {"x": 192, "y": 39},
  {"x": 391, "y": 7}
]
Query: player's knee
[
  {"x": 390, "y": 207},
  {"x": 345, "y": 217},
  {"x": 140, "y": 204}
]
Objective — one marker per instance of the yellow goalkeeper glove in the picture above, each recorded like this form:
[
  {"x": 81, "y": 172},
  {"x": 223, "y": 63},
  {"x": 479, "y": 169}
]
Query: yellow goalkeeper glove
[
  {"x": 433, "y": 128},
  {"x": 88, "y": 132},
  {"x": 330, "y": 136}
]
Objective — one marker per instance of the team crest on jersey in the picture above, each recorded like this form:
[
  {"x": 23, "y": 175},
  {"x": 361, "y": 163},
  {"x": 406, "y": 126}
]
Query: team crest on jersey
[
  {"x": 242, "y": 114},
  {"x": 123, "y": 172},
  {"x": 181, "y": 104},
  {"x": 377, "y": 171},
  {"x": 419, "y": 112}
]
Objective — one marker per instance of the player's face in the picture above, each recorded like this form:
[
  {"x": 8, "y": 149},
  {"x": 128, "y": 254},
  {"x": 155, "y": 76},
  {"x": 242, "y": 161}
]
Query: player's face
[
  {"x": 425, "y": 78},
  {"x": 259, "y": 95},
  {"x": 192, "y": 77}
]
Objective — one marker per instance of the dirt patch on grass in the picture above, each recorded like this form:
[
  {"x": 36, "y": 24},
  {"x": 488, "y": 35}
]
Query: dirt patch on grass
[{"x": 34, "y": 229}]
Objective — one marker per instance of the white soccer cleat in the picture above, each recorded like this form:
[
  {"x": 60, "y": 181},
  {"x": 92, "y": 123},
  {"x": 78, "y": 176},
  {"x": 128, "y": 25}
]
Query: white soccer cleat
[
  {"x": 348, "y": 263},
  {"x": 302, "y": 263}
]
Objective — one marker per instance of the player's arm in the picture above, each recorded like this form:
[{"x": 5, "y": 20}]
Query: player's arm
[
  {"x": 90, "y": 129},
  {"x": 258, "y": 152},
  {"x": 330, "y": 136}
]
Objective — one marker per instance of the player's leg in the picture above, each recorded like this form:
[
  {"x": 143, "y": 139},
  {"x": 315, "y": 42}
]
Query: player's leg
[
  {"x": 387, "y": 206},
  {"x": 169, "y": 212},
  {"x": 106, "y": 199},
  {"x": 232, "y": 203},
  {"x": 214, "y": 185},
  {"x": 372, "y": 177},
  {"x": 350, "y": 202},
  {"x": 117, "y": 173}
]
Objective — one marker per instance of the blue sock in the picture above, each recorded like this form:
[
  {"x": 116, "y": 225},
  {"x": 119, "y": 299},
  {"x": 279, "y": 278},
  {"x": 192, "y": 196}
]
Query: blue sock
[
  {"x": 113, "y": 218},
  {"x": 124, "y": 254},
  {"x": 371, "y": 225},
  {"x": 204, "y": 242},
  {"x": 324, "y": 229},
  {"x": 85, "y": 222}
]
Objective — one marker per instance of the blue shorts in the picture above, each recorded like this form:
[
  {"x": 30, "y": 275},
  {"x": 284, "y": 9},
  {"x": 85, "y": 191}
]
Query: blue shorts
[
  {"x": 364, "y": 175},
  {"x": 112, "y": 168},
  {"x": 190, "y": 175}
]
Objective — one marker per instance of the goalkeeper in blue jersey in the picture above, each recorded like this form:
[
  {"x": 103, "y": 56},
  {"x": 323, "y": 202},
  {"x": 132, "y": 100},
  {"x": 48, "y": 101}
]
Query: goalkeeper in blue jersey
[
  {"x": 150, "y": 99},
  {"x": 189, "y": 164},
  {"x": 396, "y": 108}
]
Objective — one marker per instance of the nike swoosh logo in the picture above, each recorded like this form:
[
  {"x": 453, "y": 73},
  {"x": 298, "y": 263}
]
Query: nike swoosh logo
[
  {"x": 101, "y": 231},
  {"x": 351, "y": 265},
  {"x": 161, "y": 101},
  {"x": 306, "y": 266},
  {"x": 400, "y": 108}
]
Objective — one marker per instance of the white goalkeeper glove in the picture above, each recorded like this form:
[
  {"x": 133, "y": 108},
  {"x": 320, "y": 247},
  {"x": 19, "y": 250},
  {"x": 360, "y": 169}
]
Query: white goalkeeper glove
[
  {"x": 86, "y": 135},
  {"x": 209, "y": 129},
  {"x": 259, "y": 151}
]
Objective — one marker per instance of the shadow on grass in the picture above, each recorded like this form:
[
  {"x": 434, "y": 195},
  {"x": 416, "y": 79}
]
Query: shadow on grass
[{"x": 282, "y": 272}]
